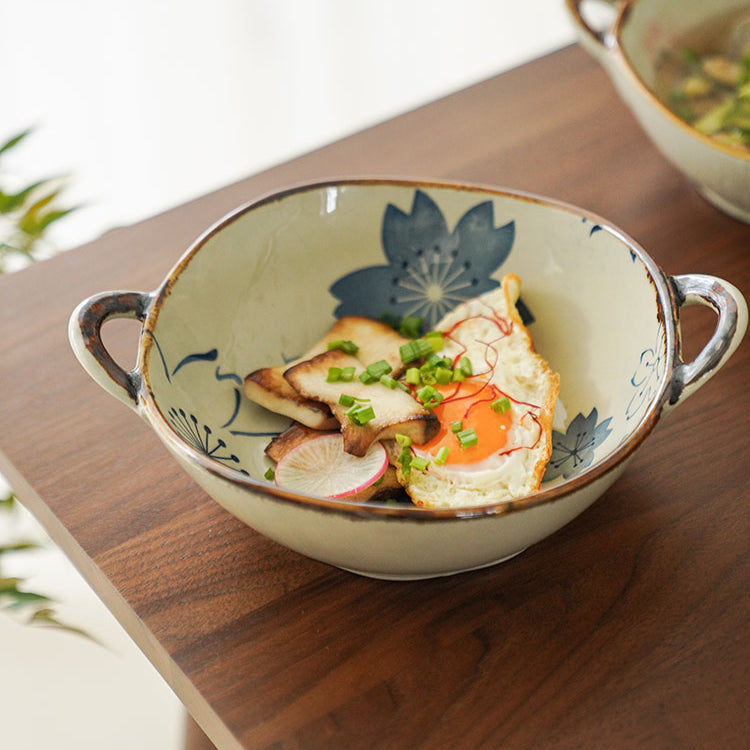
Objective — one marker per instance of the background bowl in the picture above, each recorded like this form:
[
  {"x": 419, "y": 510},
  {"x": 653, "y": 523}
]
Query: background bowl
[
  {"x": 630, "y": 51},
  {"x": 268, "y": 280}
]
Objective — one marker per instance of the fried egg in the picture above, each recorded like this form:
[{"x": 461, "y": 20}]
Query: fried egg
[{"x": 494, "y": 440}]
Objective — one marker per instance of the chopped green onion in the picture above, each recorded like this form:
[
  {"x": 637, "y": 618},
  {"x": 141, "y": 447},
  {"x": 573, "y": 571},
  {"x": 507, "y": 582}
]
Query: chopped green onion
[
  {"x": 427, "y": 393},
  {"x": 270, "y": 474},
  {"x": 465, "y": 365},
  {"x": 413, "y": 350},
  {"x": 404, "y": 460},
  {"x": 334, "y": 375},
  {"x": 346, "y": 400},
  {"x": 458, "y": 376},
  {"x": 388, "y": 381},
  {"x": 443, "y": 375},
  {"x": 442, "y": 456},
  {"x": 457, "y": 426},
  {"x": 413, "y": 376},
  {"x": 403, "y": 387},
  {"x": 374, "y": 371},
  {"x": 467, "y": 438},
  {"x": 410, "y": 326},
  {"x": 408, "y": 352},
  {"x": 344, "y": 344},
  {"x": 361, "y": 414},
  {"x": 347, "y": 374},
  {"x": 419, "y": 463},
  {"x": 434, "y": 360},
  {"x": 427, "y": 374},
  {"x": 436, "y": 340},
  {"x": 381, "y": 367},
  {"x": 501, "y": 405},
  {"x": 403, "y": 440},
  {"x": 424, "y": 347}
]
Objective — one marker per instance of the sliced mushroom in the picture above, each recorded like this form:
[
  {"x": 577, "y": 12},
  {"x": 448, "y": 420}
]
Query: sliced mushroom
[
  {"x": 395, "y": 411},
  {"x": 375, "y": 340},
  {"x": 268, "y": 387},
  {"x": 294, "y": 435}
]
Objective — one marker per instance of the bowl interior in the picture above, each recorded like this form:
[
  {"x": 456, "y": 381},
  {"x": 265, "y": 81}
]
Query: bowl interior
[
  {"x": 263, "y": 285},
  {"x": 651, "y": 28}
]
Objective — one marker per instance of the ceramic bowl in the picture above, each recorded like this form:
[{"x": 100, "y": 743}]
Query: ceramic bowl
[
  {"x": 264, "y": 283},
  {"x": 629, "y": 52}
]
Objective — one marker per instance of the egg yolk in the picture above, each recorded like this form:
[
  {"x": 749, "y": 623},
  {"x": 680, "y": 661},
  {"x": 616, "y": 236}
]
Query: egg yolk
[{"x": 469, "y": 403}]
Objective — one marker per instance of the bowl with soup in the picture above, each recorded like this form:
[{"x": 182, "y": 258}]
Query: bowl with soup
[{"x": 683, "y": 69}]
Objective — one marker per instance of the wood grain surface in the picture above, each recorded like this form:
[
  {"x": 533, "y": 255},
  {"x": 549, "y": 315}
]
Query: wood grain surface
[{"x": 629, "y": 628}]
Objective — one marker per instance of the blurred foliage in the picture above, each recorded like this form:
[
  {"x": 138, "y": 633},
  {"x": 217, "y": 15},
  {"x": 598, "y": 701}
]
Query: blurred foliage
[
  {"x": 26, "y": 214},
  {"x": 26, "y": 606}
]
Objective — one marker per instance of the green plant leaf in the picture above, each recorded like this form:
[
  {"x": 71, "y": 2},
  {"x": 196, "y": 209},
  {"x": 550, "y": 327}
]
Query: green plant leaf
[
  {"x": 12, "y": 597},
  {"x": 15, "y": 140},
  {"x": 48, "y": 618},
  {"x": 28, "y": 213},
  {"x": 50, "y": 217},
  {"x": 28, "y": 222},
  {"x": 17, "y": 547},
  {"x": 20, "y": 598},
  {"x": 8, "y": 584},
  {"x": 9, "y": 501},
  {"x": 10, "y": 202},
  {"x": 10, "y": 592}
]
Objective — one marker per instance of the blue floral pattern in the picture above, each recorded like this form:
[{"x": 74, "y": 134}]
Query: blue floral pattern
[
  {"x": 647, "y": 376},
  {"x": 574, "y": 451},
  {"x": 193, "y": 430},
  {"x": 430, "y": 269},
  {"x": 201, "y": 437}
]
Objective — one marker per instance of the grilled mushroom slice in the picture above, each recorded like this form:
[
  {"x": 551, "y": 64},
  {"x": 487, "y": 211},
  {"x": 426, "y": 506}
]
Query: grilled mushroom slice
[
  {"x": 268, "y": 387},
  {"x": 294, "y": 435},
  {"x": 393, "y": 410}
]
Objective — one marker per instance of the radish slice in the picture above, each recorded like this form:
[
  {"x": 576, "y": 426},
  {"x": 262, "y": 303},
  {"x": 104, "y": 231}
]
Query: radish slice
[{"x": 321, "y": 467}]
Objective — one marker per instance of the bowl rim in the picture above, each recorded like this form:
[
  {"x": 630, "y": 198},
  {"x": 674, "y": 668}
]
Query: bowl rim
[
  {"x": 623, "y": 15},
  {"x": 149, "y": 408}
]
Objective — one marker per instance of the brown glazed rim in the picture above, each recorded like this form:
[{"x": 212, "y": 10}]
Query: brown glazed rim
[
  {"x": 622, "y": 19},
  {"x": 358, "y": 509}
]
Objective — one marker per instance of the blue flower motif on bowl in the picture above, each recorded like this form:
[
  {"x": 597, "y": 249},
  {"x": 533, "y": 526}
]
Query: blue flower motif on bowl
[
  {"x": 574, "y": 450},
  {"x": 201, "y": 437},
  {"x": 647, "y": 376},
  {"x": 211, "y": 441},
  {"x": 430, "y": 269}
]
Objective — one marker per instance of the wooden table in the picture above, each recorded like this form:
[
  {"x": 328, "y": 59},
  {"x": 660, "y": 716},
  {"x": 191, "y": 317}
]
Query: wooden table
[{"x": 630, "y": 628}]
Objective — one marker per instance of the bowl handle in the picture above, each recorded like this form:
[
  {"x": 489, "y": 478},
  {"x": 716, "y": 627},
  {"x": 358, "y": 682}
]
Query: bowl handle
[
  {"x": 592, "y": 40},
  {"x": 730, "y": 306},
  {"x": 84, "y": 333}
]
